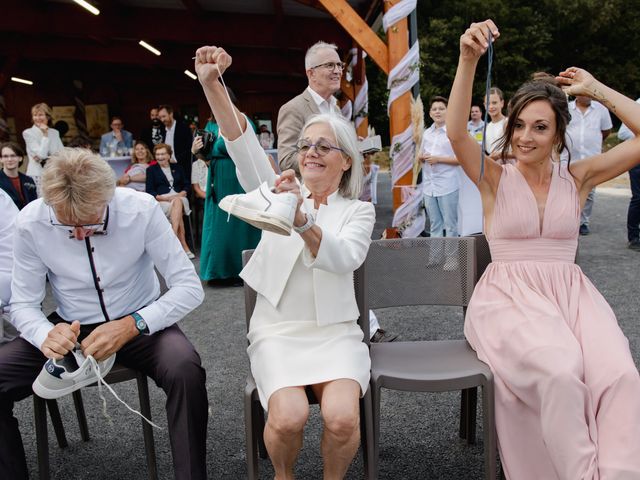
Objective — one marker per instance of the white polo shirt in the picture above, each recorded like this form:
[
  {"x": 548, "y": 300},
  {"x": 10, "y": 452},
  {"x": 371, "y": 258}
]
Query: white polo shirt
[
  {"x": 139, "y": 238},
  {"x": 8, "y": 214},
  {"x": 584, "y": 132},
  {"x": 439, "y": 179}
]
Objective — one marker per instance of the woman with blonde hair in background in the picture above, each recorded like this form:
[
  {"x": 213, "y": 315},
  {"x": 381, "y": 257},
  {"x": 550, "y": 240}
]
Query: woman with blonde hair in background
[{"x": 41, "y": 141}]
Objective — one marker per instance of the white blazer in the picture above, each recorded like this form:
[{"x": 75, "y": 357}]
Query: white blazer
[
  {"x": 40, "y": 146},
  {"x": 346, "y": 235}
]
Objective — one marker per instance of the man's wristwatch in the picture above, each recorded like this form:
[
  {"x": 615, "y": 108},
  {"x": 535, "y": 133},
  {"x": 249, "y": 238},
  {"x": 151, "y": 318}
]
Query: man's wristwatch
[
  {"x": 303, "y": 228},
  {"x": 141, "y": 325}
]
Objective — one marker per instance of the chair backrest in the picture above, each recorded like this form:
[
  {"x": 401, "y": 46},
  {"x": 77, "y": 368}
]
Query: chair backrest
[
  {"x": 358, "y": 283},
  {"x": 420, "y": 271},
  {"x": 483, "y": 254}
]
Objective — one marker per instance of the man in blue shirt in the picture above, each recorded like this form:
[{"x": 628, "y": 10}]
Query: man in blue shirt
[{"x": 116, "y": 140}]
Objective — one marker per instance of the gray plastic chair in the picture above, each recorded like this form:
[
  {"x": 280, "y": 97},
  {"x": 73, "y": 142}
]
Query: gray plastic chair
[
  {"x": 428, "y": 271},
  {"x": 254, "y": 418}
]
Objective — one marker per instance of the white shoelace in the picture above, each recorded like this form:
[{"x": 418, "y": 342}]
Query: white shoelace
[{"x": 101, "y": 381}]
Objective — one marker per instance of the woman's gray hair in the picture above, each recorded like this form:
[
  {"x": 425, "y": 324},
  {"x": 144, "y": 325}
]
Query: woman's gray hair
[
  {"x": 310, "y": 56},
  {"x": 77, "y": 183},
  {"x": 345, "y": 133}
]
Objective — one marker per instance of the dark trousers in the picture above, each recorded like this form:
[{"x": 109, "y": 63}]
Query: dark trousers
[
  {"x": 633, "y": 214},
  {"x": 166, "y": 356}
]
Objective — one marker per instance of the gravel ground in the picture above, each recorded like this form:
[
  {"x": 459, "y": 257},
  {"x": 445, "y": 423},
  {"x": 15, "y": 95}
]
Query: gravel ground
[{"x": 419, "y": 431}]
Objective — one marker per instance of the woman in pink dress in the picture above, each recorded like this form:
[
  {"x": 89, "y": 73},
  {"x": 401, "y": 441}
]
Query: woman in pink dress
[{"x": 567, "y": 389}]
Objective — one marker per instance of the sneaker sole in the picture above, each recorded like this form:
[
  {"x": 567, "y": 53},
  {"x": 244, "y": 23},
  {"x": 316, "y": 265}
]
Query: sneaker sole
[
  {"x": 49, "y": 394},
  {"x": 270, "y": 223}
]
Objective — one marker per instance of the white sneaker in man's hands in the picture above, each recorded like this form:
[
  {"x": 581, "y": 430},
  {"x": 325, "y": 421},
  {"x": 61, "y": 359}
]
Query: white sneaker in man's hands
[
  {"x": 263, "y": 208},
  {"x": 72, "y": 372}
]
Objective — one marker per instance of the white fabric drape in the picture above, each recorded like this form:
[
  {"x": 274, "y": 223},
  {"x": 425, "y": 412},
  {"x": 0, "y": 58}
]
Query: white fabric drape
[
  {"x": 399, "y": 11},
  {"x": 401, "y": 152},
  {"x": 404, "y": 75},
  {"x": 347, "y": 110}
]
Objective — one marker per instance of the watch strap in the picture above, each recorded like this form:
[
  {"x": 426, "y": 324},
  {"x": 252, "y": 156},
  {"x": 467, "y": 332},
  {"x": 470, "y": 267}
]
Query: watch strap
[
  {"x": 308, "y": 224},
  {"x": 141, "y": 325}
]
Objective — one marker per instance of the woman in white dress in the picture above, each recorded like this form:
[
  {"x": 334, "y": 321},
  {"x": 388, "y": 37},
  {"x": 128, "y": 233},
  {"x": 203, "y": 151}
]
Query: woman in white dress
[
  {"x": 41, "y": 141},
  {"x": 304, "y": 329}
]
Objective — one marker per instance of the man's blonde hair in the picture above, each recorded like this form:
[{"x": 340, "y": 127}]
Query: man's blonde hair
[{"x": 77, "y": 183}]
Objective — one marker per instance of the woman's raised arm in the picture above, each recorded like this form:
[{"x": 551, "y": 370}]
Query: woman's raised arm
[
  {"x": 473, "y": 44},
  {"x": 595, "y": 170}
]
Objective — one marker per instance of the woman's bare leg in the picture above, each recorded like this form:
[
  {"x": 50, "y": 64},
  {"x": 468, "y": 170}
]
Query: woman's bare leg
[{"x": 288, "y": 414}]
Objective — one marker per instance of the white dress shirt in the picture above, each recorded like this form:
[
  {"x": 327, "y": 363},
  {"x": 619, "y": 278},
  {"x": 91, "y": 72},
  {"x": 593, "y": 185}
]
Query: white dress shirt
[
  {"x": 439, "y": 179},
  {"x": 8, "y": 213},
  {"x": 325, "y": 106},
  {"x": 584, "y": 132},
  {"x": 139, "y": 238},
  {"x": 168, "y": 139}
]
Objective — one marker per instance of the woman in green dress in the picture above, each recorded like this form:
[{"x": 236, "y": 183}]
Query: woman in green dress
[{"x": 224, "y": 237}]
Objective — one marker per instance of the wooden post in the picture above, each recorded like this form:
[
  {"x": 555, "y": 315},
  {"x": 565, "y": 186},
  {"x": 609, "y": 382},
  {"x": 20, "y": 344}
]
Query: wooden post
[
  {"x": 359, "y": 76},
  {"x": 400, "y": 111}
]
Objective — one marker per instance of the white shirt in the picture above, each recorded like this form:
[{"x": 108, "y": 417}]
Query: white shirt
[
  {"x": 8, "y": 213},
  {"x": 42, "y": 147},
  {"x": 439, "y": 179},
  {"x": 325, "y": 106},
  {"x": 168, "y": 139},
  {"x": 139, "y": 238},
  {"x": 199, "y": 174},
  {"x": 584, "y": 132},
  {"x": 495, "y": 131},
  {"x": 625, "y": 133}
]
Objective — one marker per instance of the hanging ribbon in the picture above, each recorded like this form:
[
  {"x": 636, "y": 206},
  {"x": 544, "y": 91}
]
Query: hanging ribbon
[
  {"x": 404, "y": 75},
  {"x": 401, "y": 153}
]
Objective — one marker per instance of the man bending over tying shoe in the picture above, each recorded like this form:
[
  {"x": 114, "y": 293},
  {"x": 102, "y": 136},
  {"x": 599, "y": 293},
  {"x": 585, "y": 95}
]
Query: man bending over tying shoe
[{"x": 99, "y": 246}]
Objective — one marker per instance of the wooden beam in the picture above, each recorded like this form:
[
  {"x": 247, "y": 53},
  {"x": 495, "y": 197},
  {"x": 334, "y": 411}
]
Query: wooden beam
[
  {"x": 400, "y": 111},
  {"x": 359, "y": 31}
]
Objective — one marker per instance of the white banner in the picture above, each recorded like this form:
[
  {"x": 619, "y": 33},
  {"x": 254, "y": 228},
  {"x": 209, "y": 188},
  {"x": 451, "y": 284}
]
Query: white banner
[
  {"x": 399, "y": 11},
  {"x": 401, "y": 152}
]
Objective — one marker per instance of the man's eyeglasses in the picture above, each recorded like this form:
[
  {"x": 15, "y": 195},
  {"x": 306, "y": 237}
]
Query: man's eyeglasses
[
  {"x": 97, "y": 228},
  {"x": 331, "y": 66},
  {"x": 322, "y": 147}
]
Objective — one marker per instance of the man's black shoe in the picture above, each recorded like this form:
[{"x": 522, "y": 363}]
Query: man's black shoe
[
  {"x": 584, "y": 230},
  {"x": 382, "y": 336},
  {"x": 634, "y": 245}
]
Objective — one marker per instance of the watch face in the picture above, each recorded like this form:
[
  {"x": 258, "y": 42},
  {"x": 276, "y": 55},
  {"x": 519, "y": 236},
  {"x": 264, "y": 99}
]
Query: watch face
[{"x": 141, "y": 324}]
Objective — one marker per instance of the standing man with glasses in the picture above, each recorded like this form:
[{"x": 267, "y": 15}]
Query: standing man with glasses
[
  {"x": 324, "y": 71},
  {"x": 99, "y": 247}
]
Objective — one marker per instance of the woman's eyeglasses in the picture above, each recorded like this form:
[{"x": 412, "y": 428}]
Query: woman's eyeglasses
[{"x": 322, "y": 147}]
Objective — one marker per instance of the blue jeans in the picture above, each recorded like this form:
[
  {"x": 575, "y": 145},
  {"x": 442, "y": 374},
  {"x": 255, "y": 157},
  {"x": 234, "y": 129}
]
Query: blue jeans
[
  {"x": 633, "y": 214},
  {"x": 443, "y": 214}
]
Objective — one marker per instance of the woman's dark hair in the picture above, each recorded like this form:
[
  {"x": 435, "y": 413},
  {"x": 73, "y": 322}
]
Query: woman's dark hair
[
  {"x": 15, "y": 148},
  {"x": 541, "y": 87}
]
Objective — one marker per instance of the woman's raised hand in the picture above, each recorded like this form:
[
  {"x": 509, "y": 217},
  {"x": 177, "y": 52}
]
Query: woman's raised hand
[
  {"x": 577, "y": 81},
  {"x": 475, "y": 40},
  {"x": 210, "y": 63}
]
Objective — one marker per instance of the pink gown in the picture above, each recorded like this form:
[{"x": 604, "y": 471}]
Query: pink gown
[{"x": 567, "y": 389}]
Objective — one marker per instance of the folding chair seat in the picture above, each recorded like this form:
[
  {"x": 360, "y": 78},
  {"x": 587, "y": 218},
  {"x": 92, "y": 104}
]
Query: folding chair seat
[
  {"x": 254, "y": 415},
  {"x": 118, "y": 373},
  {"x": 428, "y": 271}
]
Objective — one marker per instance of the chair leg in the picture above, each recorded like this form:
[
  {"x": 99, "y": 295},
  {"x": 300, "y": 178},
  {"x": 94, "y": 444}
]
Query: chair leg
[
  {"x": 82, "y": 417},
  {"x": 259, "y": 431},
  {"x": 471, "y": 416},
  {"x": 489, "y": 430},
  {"x": 251, "y": 442},
  {"x": 147, "y": 430},
  {"x": 56, "y": 420},
  {"x": 464, "y": 406},
  {"x": 367, "y": 434},
  {"x": 42, "y": 438},
  {"x": 375, "y": 457}
]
